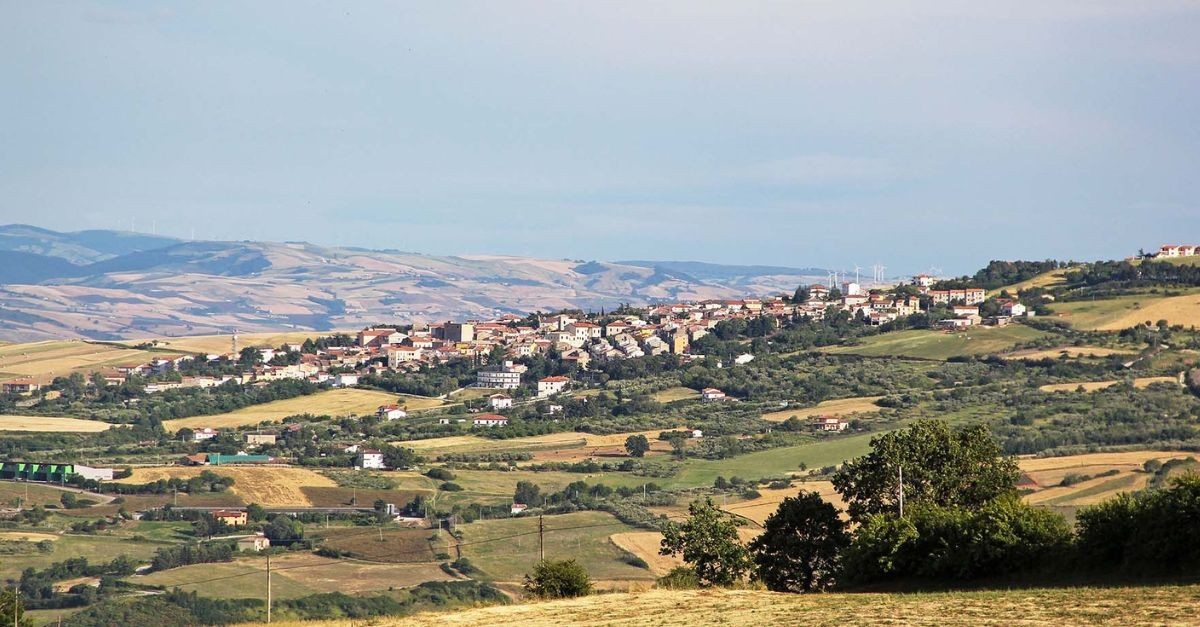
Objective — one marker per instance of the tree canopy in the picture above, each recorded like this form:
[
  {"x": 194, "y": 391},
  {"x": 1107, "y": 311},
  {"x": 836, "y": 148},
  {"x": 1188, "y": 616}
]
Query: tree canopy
[{"x": 941, "y": 466}]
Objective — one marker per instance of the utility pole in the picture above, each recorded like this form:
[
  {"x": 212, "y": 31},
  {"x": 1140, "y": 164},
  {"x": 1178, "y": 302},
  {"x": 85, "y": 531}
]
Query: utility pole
[
  {"x": 902, "y": 491},
  {"x": 541, "y": 538},
  {"x": 16, "y": 604},
  {"x": 268, "y": 587}
]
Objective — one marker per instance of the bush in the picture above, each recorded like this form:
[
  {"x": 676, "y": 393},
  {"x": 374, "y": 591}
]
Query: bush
[
  {"x": 679, "y": 578},
  {"x": 940, "y": 543},
  {"x": 1151, "y": 533},
  {"x": 450, "y": 487},
  {"x": 635, "y": 561},
  {"x": 558, "y": 580},
  {"x": 441, "y": 474}
]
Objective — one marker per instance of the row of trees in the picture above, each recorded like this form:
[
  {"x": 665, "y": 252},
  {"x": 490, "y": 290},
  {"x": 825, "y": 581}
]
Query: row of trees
[{"x": 961, "y": 519}]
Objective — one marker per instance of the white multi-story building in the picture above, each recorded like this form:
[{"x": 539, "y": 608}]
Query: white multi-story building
[
  {"x": 503, "y": 376},
  {"x": 370, "y": 459}
]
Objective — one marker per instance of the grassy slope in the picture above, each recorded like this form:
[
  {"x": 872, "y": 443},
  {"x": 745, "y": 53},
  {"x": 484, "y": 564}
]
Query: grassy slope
[
  {"x": 923, "y": 344},
  {"x": 1063, "y": 606},
  {"x": 581, "y": 536},
  {"x": 1122, "y": 312}
]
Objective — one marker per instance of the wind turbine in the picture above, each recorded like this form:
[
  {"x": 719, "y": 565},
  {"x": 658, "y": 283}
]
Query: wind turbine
[{"x": 856, "y": 270}]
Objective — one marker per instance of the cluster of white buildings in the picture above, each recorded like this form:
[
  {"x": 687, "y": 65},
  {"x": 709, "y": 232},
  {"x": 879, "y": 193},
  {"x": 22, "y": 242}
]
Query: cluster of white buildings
[{"x": 1177, "y": 250}]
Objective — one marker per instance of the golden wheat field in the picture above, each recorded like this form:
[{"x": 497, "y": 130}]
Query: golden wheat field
[
  {"x": 45, "y": 360},
  {"x": 837, "y": 407},
  {"x": 338, "y": 402},
  {"x": 51, "y": 424},
  {"x": 1149, "y": 605},
  {"x": 210, "y": 344},
  {"x": 265, "y": 485},
  {"x": 1122, "y": 472},
  {"x": 1092, "y": 386},
  {"x": 1122, "y": 312}
]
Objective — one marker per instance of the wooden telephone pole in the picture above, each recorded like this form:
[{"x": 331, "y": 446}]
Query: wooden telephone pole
[
  {"x": 268, "y": 587},
  {"x": 541, "y": 538}
]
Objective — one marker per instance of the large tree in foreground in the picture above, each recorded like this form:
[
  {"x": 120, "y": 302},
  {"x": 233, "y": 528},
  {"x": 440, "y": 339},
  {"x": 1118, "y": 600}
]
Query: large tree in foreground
[
  {"x": 800, "y": 547},
  {"x": 709, "y": 542},
  {"x": 942, "y": 467}
]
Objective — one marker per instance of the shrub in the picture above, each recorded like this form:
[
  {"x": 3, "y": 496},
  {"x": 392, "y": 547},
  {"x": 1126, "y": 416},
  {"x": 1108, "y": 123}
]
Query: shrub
[
  {"x": 679, "y": 578},
  {"x": 558, "y": 580},
  {"x": 441, "y": 474},
  {"x": 450, "y": 487}
]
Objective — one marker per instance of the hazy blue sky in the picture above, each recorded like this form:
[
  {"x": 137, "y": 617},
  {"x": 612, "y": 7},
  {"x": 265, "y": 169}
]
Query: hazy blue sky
[{"x": 802, "y": 133}]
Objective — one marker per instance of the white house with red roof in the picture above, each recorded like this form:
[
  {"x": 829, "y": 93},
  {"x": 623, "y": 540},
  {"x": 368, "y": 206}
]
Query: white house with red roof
[
  {"x": 549, "y": 386},
  {"x": 391, "y": 412},
  {"x": 709, "y": 395},
  {"x": 489, "y": 420},
  {"x": 500, "y": 401}
]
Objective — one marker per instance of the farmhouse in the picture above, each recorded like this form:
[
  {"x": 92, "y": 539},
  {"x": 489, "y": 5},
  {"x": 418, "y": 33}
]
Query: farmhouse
[
  {"x": 261, "y": 437},
  {"x": 24, "y": 387},
  {"x": 489, "y": 420},
  {"x": 709, "y": 395},
  {"x": 830, "y": 423},
  {"x": 370, "y": 459},
  {"x": 207, "y": 433},
  {"x": 231, "y": 517},
  {"x": 390, "y": 412},
  {"x": 550, "y": 386},
  {"x": 256, "y": 542}
]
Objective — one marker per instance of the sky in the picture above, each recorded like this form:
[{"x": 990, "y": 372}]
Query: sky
[{"x": 819, "y": 133}]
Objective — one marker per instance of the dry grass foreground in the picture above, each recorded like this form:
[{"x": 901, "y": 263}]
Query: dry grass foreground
[
  {"x": 270, "y": 486},
  {"x": 838, "y": 407},
  {"x": 51, "y": 424},
  {"x": 339, "y": 402},
  {"x": 1092, "y": 386},
  {"x": 1065, "y": 606}
]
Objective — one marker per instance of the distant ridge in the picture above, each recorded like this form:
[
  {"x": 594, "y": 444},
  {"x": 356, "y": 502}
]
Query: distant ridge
[{"x": 106, "y": 285}]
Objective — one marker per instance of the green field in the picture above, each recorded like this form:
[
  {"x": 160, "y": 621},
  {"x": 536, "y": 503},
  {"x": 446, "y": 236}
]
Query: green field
[
  {"x": 492, "y": 486},
  {"x": 1121, "y": 312},
  {"x": 251, "y": 584},
  {"x": 98, "y": 549},
  {"x": 581, "y": 536},
  {"x": 773, "y": 462},
  {"x": 676, "y": 394},
  {"x": 925, "y": 344}
]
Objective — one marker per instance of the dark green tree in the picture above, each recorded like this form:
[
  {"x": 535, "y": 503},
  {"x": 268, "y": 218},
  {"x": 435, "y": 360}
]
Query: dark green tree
[
  {"x": 800, "y": 547},
  {"x": 943, "y": 467},
  {"x": 637, "y": 445},
  {"x": 708, "y": 541}
]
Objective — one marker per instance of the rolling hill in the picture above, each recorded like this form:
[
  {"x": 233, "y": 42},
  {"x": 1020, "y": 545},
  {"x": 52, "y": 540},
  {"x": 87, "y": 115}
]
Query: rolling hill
[{"x": 104, "y": 285}]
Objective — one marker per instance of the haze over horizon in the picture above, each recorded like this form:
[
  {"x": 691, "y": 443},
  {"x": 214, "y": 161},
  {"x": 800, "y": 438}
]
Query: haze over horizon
[{"x": 799, "y": 134}]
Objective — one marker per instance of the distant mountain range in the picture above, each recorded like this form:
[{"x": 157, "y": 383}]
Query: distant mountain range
[{"x": 119, "y": 285}]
